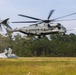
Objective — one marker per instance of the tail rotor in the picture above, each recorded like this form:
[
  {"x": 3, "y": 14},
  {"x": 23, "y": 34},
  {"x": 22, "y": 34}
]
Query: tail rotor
[{"x": 4, "y": 23}]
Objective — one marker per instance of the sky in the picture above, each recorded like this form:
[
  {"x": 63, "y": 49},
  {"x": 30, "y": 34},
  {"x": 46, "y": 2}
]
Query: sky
[{"x": 38, "y": 8}]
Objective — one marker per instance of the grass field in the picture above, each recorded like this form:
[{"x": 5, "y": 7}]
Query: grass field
[{"x": 38, "y": 66}]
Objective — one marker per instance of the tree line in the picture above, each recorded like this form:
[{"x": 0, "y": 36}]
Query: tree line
[{"x": 58, "y": 46}]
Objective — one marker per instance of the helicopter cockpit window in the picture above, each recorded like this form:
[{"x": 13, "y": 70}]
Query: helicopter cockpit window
[
  {"x": 36, "y": 25},
  {"x": 59, "y": 26}
]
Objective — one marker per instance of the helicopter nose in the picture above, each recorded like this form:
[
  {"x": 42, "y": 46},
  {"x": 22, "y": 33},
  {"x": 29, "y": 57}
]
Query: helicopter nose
[{"x": 64, "y": 30}]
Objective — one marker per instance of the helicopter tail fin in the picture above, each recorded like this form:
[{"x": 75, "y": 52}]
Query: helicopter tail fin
[{"x": 5, "y": 25}]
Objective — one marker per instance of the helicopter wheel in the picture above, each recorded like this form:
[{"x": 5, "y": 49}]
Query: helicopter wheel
[{"x": 39, "y": 37}]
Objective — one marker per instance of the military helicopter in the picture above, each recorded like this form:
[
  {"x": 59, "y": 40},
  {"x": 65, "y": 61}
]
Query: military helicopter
[{"x": 40, "y": 27}]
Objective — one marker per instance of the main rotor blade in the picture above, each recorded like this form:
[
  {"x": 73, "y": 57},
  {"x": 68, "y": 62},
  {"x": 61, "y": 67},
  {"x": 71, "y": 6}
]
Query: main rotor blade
[
  {"x": 65, "y": 20},
  {"x": 64, "y": 16},
  {"x": 51, "y": 12},
  {"x": 25, "y": 22},
  {"x": 29, "y": 17}
]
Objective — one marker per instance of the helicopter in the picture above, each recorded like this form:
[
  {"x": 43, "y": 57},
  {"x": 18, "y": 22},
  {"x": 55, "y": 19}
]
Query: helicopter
[{"x": 39, "y": 27}]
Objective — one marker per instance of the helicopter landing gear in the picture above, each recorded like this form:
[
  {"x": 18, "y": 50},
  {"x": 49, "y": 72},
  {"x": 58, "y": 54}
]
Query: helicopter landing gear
[{"x": 39, "y": 36}]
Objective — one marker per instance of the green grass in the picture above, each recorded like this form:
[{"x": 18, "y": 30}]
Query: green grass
[{"x": 38, "y": 66}]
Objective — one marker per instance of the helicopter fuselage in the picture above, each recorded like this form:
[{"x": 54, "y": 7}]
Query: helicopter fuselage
[
  {"x": 42, "y": 29},
  {"x": 37, "y": 29}
]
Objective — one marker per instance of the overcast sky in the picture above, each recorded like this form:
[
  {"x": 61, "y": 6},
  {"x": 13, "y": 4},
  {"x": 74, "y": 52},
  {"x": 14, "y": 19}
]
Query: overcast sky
[{"x": 37, "y": 8}]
